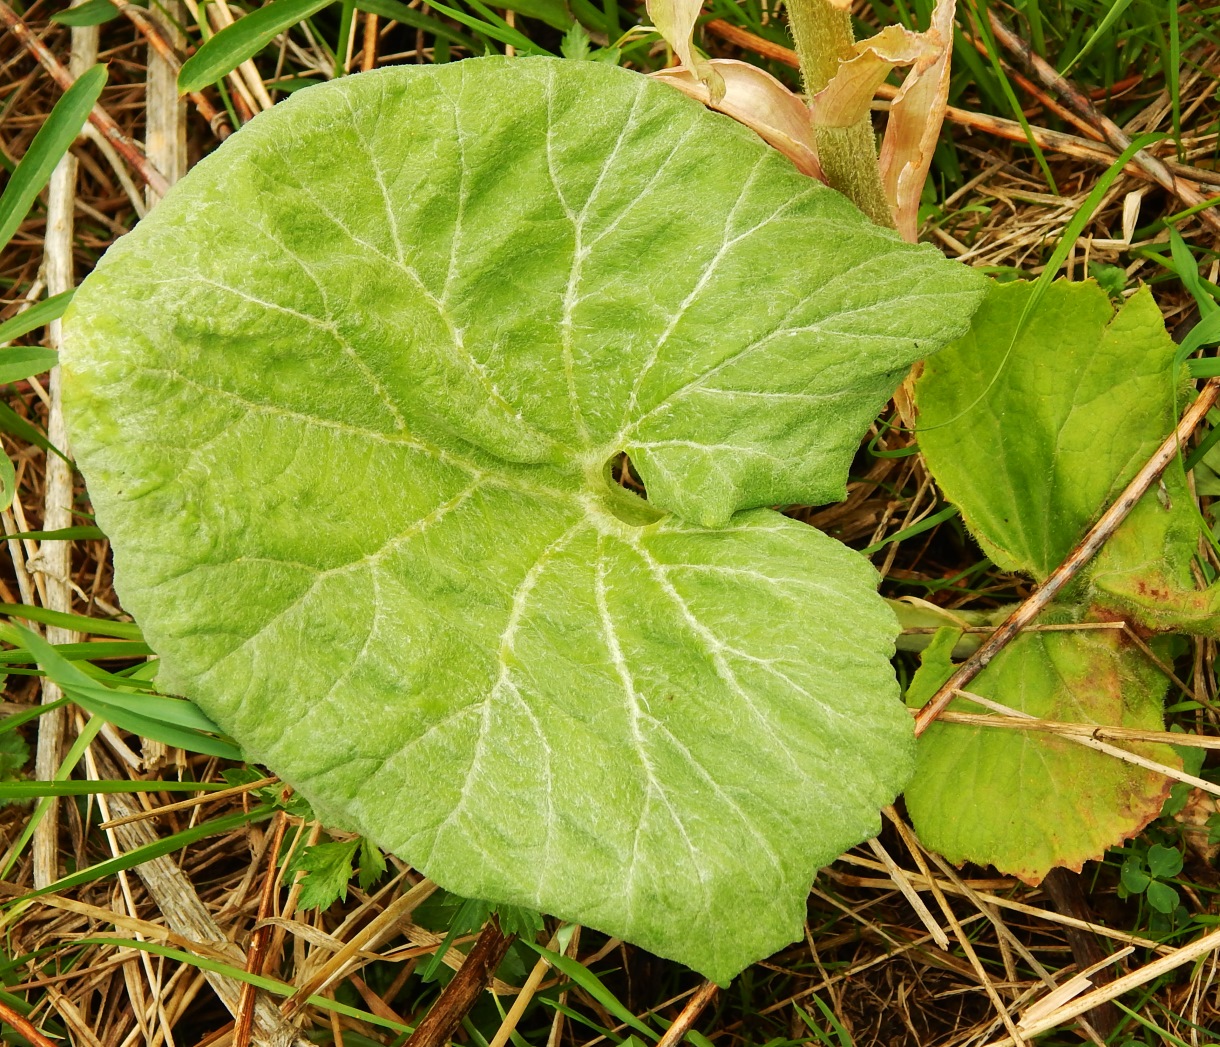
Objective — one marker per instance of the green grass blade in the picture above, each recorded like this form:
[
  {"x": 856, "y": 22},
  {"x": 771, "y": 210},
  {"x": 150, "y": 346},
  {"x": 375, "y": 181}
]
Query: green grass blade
[
  {"x": 149, "y": 851},
  {"x": 23, "y": 361},
  {"x": 993, "y": 55},
  {"x": 504, "y": 33},
  {"x": 592, "y": 984},
  {"x": 225, "y": 51},
  {"x": 12, "y": 422},
  {"x": 170, "y": 720},
  {"x": 35, "y": 316},
  {"x": 76, "y": 622},
  {"x": 397, "y": 11},
  {"x": 70, "y": 760},
  {"x": 49, "y": 145},
  {"x": 259, "y": 981},
  {"x": 90, "y": 787},
  {"x": 91, "y": 12},
  {"x": 11, "y": 723},
  {"x": 946, "y": 513},
  {"x": 1187, "y": 270},
  {"x": 1103, "y": 27},
  {"x": 61, "y": 534},
  {"x": 8, "y": 482}
]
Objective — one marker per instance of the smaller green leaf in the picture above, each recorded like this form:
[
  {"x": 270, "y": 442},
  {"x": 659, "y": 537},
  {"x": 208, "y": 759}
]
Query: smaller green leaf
[
  {"x": 575, "y": 46},
  {"x": 35, "y": 316},
  {"x": 1111, "y": 278},
  {"x": 1162, "y": 897},
  {"x": 225, "y": 51},
  {"x": 49, "y": 144},
  {"x": 519, "y": 920},
  {"x": 91, "y": 12},
  {"x": 25, "y": 360},
  {"x": 1164, "y": 862},
  {"x": 372, "y": 863},
  {"x": 14, "y": 755},
  {"x": 327, "y": 868},
  {"x": 935, "y": 666},
  {"x": 1133, "y": 875}
]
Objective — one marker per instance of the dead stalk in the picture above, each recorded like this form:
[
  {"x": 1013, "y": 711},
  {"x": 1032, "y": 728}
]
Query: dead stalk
[{"x": 1084, "y": 551}]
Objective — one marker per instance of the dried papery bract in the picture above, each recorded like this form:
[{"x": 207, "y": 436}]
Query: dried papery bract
[
  {"x": 846, "y": 99},
  {"x": 837, "y": 124},
  {"x": 675, "y": 21},
  {"x": 914, "y": 123},
  {"x": 754, "y": 97}
]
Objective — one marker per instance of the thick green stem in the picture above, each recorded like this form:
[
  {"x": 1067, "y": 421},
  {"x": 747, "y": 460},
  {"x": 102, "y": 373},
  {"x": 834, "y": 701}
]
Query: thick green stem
[{"x": 848, "y": 155}]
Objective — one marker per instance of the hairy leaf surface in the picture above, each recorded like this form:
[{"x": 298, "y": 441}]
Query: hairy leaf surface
[{"x": 347, "y": 404}]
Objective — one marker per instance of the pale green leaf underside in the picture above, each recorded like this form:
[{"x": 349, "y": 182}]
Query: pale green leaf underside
[{"x": 345, "y": 402}]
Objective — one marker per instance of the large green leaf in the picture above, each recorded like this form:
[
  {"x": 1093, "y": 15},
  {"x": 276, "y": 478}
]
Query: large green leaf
[
  {"x": 347, "y": 403},
  {"x": 1027, "y": 802},
  {"x": 1033, "y": 439}
]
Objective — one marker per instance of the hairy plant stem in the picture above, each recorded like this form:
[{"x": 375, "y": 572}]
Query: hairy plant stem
[{"x": 848, "y": 155}]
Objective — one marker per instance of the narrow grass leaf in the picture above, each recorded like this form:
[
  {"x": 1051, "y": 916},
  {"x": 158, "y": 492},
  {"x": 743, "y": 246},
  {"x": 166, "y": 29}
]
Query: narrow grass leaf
[
  {"x": 503, "y": 33},
  {"x": 90, "y": 650},
  {"x": 593, "y": 985},
  {"x": 1187, "y": 270},
  {"x": 11, "y": 723},
  {"x": 61, "y": 534},
  {"x": 35, "y": 316},
  {"x": 169, "y": 720},
  {"x": 397, "y": 11},
  {"x": 25, "y": 360},
  {"x": 73, "y": 756},
  {"x": 225, "y": 51},
  {"x": 49, "y": 144},
  {"x": 90, "y": 787},
  {"x": 12, "y": 422},
  {"x": 1103, "y": 27},
  {"x": 8, "y": 482},
  {"x": 130, "y": 859},
  {"x": 994, "y": 55},
  {"x": 76, "y": 622},
  {"x": 947, "y": 513},
  {"x": 259, "y": 981},
  {"x": 91, "y": 12}
]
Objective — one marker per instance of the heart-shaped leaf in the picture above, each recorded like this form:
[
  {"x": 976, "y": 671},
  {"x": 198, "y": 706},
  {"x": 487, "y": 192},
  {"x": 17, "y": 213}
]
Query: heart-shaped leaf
[{"x": 347, "y": 403}]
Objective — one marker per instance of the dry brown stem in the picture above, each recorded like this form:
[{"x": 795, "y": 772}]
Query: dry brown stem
[
  {"x": 1076, "y": 559},
  {"x": 100, "y": 119},
  {"x": 1083, "y": 106}
]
